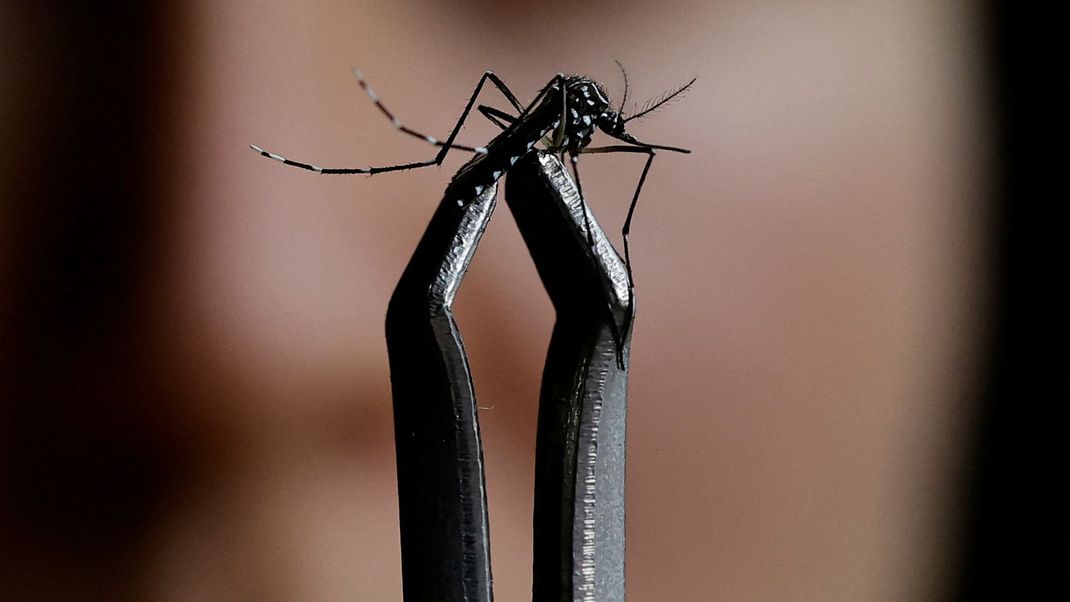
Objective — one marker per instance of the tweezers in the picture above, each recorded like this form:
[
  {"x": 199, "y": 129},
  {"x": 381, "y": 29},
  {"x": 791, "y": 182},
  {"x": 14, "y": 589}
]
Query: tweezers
[{"x": 580, "y": 440}]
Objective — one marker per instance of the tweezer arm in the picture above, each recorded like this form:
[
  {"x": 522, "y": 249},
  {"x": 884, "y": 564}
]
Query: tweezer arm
[
  {"x": 445, "y": 553},
  {"x": 579, "y": 466}
]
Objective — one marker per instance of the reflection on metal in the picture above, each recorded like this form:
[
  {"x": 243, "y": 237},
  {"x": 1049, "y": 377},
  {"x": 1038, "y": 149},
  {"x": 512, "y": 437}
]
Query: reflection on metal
[
  {"x": 579, "y": 466},
  {"x": 445, "y": 551},
  {"x": 579, "y": 483}
]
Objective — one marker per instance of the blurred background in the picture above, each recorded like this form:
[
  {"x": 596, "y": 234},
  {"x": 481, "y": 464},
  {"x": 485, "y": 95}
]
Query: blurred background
[{"x": 195, "y": 387}]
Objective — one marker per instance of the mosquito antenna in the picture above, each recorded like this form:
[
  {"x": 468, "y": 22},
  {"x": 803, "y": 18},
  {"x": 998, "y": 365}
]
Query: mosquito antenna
[
  {"x": 624, "y": 74},
  {"x": 655, "y": 104}
]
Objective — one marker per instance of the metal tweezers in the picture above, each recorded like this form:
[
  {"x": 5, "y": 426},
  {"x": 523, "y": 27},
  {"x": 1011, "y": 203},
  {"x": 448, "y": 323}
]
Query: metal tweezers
[{"x": 579, "y": 464}]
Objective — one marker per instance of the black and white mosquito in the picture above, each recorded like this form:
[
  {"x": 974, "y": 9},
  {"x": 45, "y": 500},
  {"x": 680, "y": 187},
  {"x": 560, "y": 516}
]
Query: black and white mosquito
[{"x": 563, "y": 116}]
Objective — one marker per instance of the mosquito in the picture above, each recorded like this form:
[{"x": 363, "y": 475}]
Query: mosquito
[{"x": 563, "y": 116}]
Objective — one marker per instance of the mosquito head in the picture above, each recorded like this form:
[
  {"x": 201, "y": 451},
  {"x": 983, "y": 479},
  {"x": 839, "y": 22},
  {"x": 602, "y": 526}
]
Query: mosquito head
[
  {"x": 588, "y": 108},
  {"x": 612, "y": 122},
  {"x": 613, "y": 125}
]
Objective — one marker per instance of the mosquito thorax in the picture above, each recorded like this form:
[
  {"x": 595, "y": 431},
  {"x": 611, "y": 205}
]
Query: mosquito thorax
[{"x": 586, "y": 106}]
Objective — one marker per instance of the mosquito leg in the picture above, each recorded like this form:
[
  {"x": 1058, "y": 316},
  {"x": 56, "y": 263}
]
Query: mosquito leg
[
  {"x": 468, "y": 108},
  {"x": 340, "y": 170},
  {"x": 558, "y": 80},
  {"x": 397, "y": 122},
  {"x": 506, "y": 92},
  {"x": 497, "y": 117},
  {"x": 445, "y": 146},
  {"x": 559, "y": 135},
  {"x": 619, "y": 333},
  {"x": 626, "y": 230}
]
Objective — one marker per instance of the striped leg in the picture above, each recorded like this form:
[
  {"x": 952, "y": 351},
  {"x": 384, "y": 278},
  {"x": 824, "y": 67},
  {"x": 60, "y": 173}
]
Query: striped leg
[
  {"x": 402, "y": 128},
  {"x": 341, "y": 170},
  {"x": 445, "y": 146}
]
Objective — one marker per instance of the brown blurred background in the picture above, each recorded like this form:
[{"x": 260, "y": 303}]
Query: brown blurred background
[{"x": 196, "y": 395}]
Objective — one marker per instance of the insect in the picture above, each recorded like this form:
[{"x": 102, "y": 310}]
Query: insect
[
  {"x": 564, "y": 116},
  {"x": 578, "y": 522}
]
